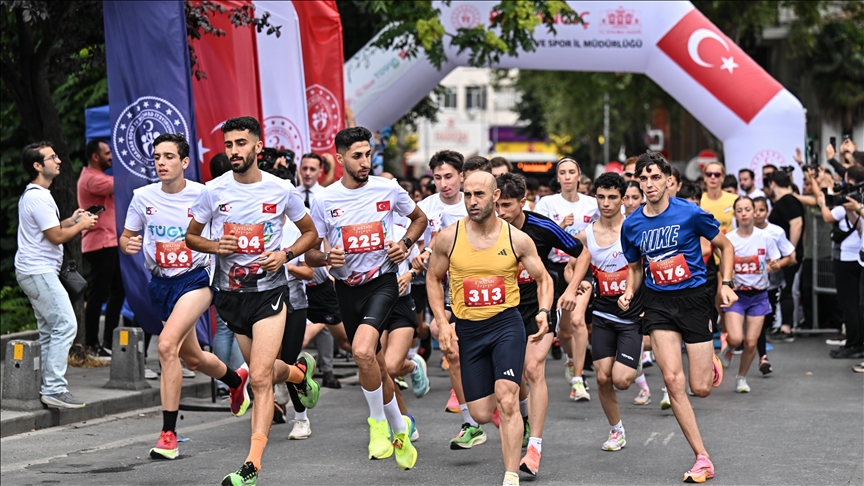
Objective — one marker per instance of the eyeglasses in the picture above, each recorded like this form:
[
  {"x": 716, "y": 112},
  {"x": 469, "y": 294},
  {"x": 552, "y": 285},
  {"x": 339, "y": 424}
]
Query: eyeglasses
[
  {"x": 54, "y": 157},
  {"x": 713, "y": 174}
]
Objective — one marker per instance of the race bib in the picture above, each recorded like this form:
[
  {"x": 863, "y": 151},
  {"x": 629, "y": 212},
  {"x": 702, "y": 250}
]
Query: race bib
[
  {"x": 250, "y": 237},
  {"x": 611, "y": 284},
  {"x": 173, "y": 254},
  {"x": 363, "y": 238},
  {"x": 523, "y": 277},
  {"x": 563, "y": 255},
  {"x": 482, "y": 292},
  {"x": 670, "y": 271},
  {"x": 748, "y": 265}
]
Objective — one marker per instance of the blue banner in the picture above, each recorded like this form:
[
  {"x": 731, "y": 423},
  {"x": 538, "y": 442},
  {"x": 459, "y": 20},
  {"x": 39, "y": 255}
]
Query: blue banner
[{"x": 149, "y": 93}]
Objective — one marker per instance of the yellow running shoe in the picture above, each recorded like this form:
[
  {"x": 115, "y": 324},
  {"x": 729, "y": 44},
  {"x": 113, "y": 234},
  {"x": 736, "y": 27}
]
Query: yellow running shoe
[
  {"x": 406, "y": 454},
  {"x": 380, "y": 446}
]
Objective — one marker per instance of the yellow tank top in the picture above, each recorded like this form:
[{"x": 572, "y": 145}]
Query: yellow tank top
[{"x": 483, "y": 283}]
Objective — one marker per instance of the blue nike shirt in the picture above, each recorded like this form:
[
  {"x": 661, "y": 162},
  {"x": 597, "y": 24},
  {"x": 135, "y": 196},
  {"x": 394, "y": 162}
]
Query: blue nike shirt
[{"x": 668, "y": 244}]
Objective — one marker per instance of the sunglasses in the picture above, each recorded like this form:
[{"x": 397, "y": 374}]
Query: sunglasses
[{"x": 713, "y": 174}]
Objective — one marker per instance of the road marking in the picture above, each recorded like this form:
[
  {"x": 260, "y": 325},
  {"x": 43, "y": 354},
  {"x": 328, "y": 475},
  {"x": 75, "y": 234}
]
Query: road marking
[
  {"x": 668, "y": 438},
  {"x": 653, "y": 434}
]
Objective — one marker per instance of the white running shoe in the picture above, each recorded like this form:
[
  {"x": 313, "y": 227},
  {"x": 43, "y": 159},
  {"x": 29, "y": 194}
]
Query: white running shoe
[
  {"x": 616, "y": 441},
  {"x": 578, "y": 392},
  {"x": 644, "y": 397},
  {"x": 302, "y": 429},
  {"x": 150, "y": 374},
  {"x": 665, "y": 404},
  {"x": 726, "y": 356},
  {"x": 741, "y": 385}
]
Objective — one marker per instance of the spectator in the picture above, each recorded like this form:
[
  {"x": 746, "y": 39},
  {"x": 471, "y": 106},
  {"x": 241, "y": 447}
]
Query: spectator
[
  {"x": 788, "y": 213},
  {"x": 846, "y": 241},
  {"x": 219, "y": 165},
  {"x": 99, "y": 249},
  {"x": 37, "y": 267},
  {"x": 427, "y": 186},
  {"x": 585, "y": 186},
  {"x": 531, "y": 186},
  {"x": 847, "y": 157},
  {"x": 714, "y": 199},
  {"x": 500, "y": 165},
  {"x": 543, "y": 190},
  {"x": 630, "y": 169},
  {"x": 730, "y": 184},
  {"x": 767, "y": 170},
  {"x": 747, "y": 184},
  {"x": 675, "y": 183},
  {"x": 310, "y": 170}
]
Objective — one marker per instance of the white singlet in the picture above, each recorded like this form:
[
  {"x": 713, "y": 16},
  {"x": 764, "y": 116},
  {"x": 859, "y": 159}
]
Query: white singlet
[{"x": 557, "y": 208}]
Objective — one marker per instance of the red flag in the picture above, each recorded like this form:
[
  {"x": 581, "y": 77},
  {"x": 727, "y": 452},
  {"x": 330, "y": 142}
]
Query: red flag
[
  {"x": 323, "y": 65},
  {"x": 268, "y": 208},
  {"x": 719, "y": 65},
  {"x": 231, "y": 88},
  {"x": 383, "y": 206}
]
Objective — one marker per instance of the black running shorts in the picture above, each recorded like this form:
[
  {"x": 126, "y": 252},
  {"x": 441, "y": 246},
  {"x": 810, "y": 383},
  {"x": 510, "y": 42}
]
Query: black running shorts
[
  {"x": 369, "y": 304},
  {"x": 490, "y": 350},
  {"x": 241, "y": 310},
  {"x": 611, "y": 339},
  {"x": 529, "y": 314},
  {"x": 323, "y": 306},
  {"x": 404, "y": 314},
  {"x": 689, "y": 312}
]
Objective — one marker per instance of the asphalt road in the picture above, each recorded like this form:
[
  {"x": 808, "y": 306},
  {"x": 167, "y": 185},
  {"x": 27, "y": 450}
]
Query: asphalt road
[{"x": 800, "y": 425}]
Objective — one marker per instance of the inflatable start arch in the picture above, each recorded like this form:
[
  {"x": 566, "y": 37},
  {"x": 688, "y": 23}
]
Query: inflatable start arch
[{"x": 758, "y": 120}]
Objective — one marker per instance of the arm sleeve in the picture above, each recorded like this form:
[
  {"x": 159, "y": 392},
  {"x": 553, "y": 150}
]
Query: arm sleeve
[
  {"x": 134, "y": 221},
  {"x": 201, "y": 209},
  {"x": 704, "y": 224},
  {"x": 631, "y": 251},
  {"x": 43, "y": 210},
  {"x": 295, "y": 209},
  {"x": 558, "y": 238},
  {"x": 318, "y": 218},
  {"x": 404, "y": 204}
]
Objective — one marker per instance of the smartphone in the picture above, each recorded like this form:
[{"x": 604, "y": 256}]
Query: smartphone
[
  {"x": 833, "y": 142},
  {"x": 95, "y": 209}
]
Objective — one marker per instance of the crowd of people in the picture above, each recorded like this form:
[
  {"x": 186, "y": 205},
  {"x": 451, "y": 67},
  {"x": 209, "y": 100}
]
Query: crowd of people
[{"x": 501, "y": 270}]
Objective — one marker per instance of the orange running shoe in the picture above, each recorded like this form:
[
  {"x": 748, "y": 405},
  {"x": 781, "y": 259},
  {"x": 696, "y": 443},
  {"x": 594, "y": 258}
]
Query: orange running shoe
[
  {"x": 702, "y": 471},
  {"x": 718, "y": 371},
  {"x": 445, "y": 365},
  {"x": 452, "y": 403},
  {"x": 530, "y": 464}
]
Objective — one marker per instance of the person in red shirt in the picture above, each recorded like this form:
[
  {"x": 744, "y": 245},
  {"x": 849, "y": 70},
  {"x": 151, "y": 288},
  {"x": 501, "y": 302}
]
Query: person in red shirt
[{"x": 99, "y": 249}]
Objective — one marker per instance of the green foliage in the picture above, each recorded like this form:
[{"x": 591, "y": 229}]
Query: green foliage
[{"x": 16, "y": 314}]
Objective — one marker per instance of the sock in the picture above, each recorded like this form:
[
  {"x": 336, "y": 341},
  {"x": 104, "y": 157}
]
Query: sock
[
  {"x": 394, "y": 417},
  {"x": 642, "y": 382},
  {"x": 169, "y": 420},
  {"x": 618, "y": 427},
  {"x": 413, "y": 367},
  {"x": 513, "y": 477},
  {"x": 375, "y": 400},
  {"x": 523, "y": 408},
  {"x": 575, "y": 380},
  {"x": 300, "y": 415},
  {"x": 231, "y": 378},
  {"x": 537, "y": 442},
  {"x": 412, "y": 351},
  {"x": 256, "y": 450},
  {"x": 466, "y": 415}
]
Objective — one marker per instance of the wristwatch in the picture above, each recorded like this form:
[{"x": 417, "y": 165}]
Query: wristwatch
[
  {"x": 729, "y": 284},
  {"x": 547, "y": 311},
  {"x": 407, "y": 242},
  {"x": 289, "y": 255},
  {"x": 327, "y": 258}
]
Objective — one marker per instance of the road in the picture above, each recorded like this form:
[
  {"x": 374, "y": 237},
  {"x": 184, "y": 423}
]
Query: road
[{"x": 801, "y": 425}]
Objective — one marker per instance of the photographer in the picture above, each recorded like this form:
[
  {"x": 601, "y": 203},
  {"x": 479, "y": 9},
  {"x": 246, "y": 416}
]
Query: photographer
[
  {"x": 847, "y": 155},
  {"x": 846, "y": 237}
]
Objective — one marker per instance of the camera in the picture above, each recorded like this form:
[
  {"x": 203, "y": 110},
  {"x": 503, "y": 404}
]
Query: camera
[
  {"x": 787, "y": 169},
  {"x": 855, "y": 191},
  {"x": 267, "y": 162}
]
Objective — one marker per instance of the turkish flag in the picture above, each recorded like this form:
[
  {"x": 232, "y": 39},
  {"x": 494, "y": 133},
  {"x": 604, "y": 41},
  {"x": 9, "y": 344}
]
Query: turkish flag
[
  {"x": 383, "y": 206},
  {"x": 719, "y": 65},
  {"x": 269, "y": 208}
]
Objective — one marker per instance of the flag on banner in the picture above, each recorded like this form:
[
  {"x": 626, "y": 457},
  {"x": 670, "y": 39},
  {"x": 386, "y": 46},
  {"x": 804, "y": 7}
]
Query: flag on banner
[
  {"x": 231, "y": 86},
  {"x": 149, "y": 93}
]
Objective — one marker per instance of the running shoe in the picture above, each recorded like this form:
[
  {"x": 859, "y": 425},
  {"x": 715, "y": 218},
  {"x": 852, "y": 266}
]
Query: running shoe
[
  {"x": 556, "y": 349},
  {"x": 61, "y": 400},
  {"x": 530, "y": 464},
  {"x": 616, "y": 441},
  {"x": 741, "y": 385},
  {"x": 765, "y": 365},
  {"x": 527, "y": 434},
  {"x": 301, "y": 430},
  {"x": 859, "y": 368},
  {"x": 718, "y": 371},
  {"x": 445, "y": 365},
  {"x": 419, "y": 379},
  {"x": 309, "y": 388},
  {"x": 380, "y": 446},
  {"x": 406, "y": 454},
  {"x": 400, "y": 382},
  {"x": 496, "y": 419},
  {"x": 569, "y": 370},
  {"x": 166, "y": 448},
  {"x": 665, "y": 404},
  {"x": 702, "y": 471},
  {"x": 468, "y": 437},
  {"x": 247, "y": 475},
  {"x": 150, "y": 374},
  {"x": 510, "y": 480},
  {"x": 726, "y": 356},
  {"x": 279, "y": 413},
  {"x": 412, "y": 427},
  {"x": 578, "y": 393},
  {"x": 240, "y": 395},
  {"x": 646, "y": 360},
  {"x": 187, "y": 373},
  {"x": 644, "y": 398},
  {"x": 453, "y": 403}
]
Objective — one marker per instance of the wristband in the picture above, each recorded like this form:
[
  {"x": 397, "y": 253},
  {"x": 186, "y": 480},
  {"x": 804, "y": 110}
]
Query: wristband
[
  {"x": 327, "y": 258},
  {"x": 729, "y": 284},
  {"x": 429, "y": 249}
]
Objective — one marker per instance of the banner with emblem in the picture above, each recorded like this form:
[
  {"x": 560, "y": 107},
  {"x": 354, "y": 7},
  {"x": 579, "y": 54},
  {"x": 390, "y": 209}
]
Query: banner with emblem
[{"x": 149, "y": 93}]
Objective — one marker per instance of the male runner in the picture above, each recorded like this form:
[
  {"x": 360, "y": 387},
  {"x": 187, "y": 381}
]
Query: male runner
[
  {"x": 573, "y": 212},
  {"x": 180, "y": 286},
  {"x": 546, "y": 236},
  {"x": 661, "y": 239},
  {"x": 482, "y": 254},
  {"x": 616, "y": 338},
  {"x": 356, "y": 216},
  {"x": 246, "y": 210}
]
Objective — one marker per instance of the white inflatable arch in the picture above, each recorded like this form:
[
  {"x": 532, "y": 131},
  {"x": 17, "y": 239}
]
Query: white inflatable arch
[{"x": 758, "y": 120}]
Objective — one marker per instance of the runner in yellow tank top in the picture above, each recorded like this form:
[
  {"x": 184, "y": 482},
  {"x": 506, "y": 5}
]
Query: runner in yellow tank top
[{"x": 482, "y": 254}]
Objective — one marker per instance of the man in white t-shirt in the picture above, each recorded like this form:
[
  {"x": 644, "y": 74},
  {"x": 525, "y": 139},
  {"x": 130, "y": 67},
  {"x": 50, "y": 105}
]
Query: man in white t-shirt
[
  {"x": 180, "y": 284},
  {"x": 246, "y": 210},
  {"x": 356, "y": 216},
  {"x": 37, "y": 268}
]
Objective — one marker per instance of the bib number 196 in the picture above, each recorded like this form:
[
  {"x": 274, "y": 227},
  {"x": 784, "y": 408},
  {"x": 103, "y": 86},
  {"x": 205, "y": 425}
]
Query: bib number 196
[{"x": 173, "y": 254}]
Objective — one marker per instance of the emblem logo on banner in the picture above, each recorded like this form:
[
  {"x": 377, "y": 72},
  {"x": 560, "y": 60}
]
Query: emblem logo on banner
[
  {"x": 282, "y": 133},
  {"x": 324, "y": 115},
  {"x": 621, "y": 21},
  {"x": 763, "y": 158},
  {"x": 719, "y": 65},
  {"x": 138, "y": 126},
  {"x": 465, "y": 17}
]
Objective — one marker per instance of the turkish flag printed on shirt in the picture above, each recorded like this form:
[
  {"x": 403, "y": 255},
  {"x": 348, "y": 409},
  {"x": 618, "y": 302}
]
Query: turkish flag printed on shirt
[
  {"x": 383, "y": 206},
  {"x": 269, "y": 208},
  {"x": 719, "y": 65},
  {"x": 323, "y": 68}
]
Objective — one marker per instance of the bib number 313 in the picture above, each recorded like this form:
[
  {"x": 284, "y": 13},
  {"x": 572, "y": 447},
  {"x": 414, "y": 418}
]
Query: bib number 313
[
  {"x": 482, "y": 292},
  {"x": 250, "y": 237},
  {"x": 173, "y": 254},
  {"x": 363, "y": 238},
  {"x": 670, "y": 271}
]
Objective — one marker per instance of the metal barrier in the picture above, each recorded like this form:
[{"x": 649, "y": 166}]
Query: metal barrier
[{"x": 818, "y": 232}]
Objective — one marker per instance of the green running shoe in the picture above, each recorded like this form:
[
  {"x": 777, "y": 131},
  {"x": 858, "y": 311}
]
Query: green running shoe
[
  {"x": 406, "y": 454},
  {"x": 419, "y": 379},
  {"x": 527, "y": 433},
  {"x": 247, "y": 475},
  {"x": 309, "y": 388},
  {"x": 380, "y": 446},
  {"x": 468, "y": 437}
]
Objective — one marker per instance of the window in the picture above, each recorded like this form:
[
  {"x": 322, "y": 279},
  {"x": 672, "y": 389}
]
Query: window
[
  {"x": 506, "y": 99},
  {"x": 475, "y": 98},
  {"x": 449, "y": 98}
]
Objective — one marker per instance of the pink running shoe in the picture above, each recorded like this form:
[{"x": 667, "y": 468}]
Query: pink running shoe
[
  {"x": 718, "y": 371},
  {"x": 240, "y": 395},
  {"x": 496, "y": 419},
  {"x": 702, "y": 471},
  {"x": 452, "y": 403}
]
